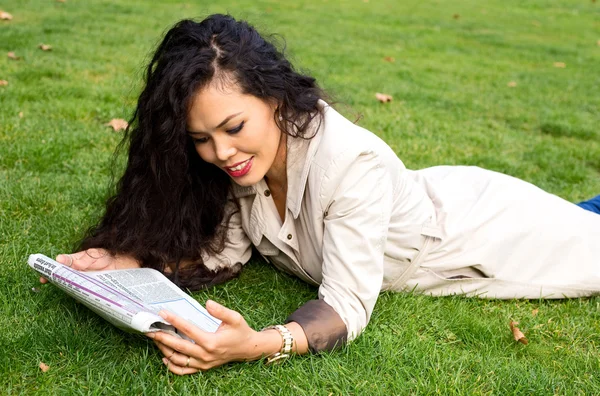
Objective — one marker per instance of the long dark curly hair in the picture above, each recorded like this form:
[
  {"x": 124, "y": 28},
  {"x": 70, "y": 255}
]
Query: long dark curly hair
[{"x": 169, "y": 206}]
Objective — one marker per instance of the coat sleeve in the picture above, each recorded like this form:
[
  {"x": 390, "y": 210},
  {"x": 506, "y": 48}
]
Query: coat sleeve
[
  {"x": 238, "y": 247},
  {"x": 357, "y": 208}
]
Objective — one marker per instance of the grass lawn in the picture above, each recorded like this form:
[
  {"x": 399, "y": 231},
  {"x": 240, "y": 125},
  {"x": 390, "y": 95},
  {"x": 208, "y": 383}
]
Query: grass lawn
[{"x": 454, "y": 64}]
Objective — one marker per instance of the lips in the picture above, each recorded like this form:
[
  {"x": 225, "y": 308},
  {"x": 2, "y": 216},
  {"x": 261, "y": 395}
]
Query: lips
[{"x": 240, "y": 169}]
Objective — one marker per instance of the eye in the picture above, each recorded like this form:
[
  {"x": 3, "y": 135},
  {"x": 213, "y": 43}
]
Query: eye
[
  {"x": 236, "y": 129},
  {"x": 200, "y": 140}
]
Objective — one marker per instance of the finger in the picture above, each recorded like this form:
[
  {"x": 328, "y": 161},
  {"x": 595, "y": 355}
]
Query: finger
[
  {"x": 176, "y": 344},
  {"x": 63, "y": 259},
  {"x": 187, "y": 328},
  {"x": 181, "y": 360},
  {"x": 165, "y": 350},
  {"x": 169, "y": 352},
  {"x": 43, "y": 280},
  {"x": 226, "y": 315},
  {"x": 179, "y": 370},
  {"x": 70, "y": 261},
  {"x": 175, "y": 357},
  {"x": 90, "y": 259},
  {"x": 96, "y": 253},
  {"x": 73, "y": 260},
  {"x": 98, "y": 259},
  {"x": 93, "y": 264}
]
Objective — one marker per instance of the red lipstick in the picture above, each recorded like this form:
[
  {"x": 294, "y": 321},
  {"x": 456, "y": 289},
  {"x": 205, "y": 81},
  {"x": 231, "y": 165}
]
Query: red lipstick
[{"x": 240, "y": 172}]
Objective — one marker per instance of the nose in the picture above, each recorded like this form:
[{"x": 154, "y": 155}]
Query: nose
[{"x": 224, "y": 150}]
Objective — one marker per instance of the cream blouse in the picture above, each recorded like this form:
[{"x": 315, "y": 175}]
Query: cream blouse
[{"x": 358, "y": 222}]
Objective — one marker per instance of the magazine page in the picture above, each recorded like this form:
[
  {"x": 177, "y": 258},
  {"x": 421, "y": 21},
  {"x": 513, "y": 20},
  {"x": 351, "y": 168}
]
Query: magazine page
[
  {"x": 123, "y": 310},
  {"x": 156, "y": 291}
]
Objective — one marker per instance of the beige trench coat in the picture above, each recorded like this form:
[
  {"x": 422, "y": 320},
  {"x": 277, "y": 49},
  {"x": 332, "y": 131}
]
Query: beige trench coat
[{"x": 358, "y": 222}]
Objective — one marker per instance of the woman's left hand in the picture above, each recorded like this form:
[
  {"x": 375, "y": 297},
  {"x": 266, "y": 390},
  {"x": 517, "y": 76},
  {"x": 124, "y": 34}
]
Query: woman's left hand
[{"x": 231, "y": 342}]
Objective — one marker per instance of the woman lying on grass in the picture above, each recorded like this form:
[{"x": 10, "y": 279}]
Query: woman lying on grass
[{"x": 230, "y": 148}]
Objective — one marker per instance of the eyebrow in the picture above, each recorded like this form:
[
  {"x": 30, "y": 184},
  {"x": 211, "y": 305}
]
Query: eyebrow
[{"x": 225, "y": 121}]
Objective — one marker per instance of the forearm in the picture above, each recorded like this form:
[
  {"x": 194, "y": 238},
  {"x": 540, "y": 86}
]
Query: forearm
[
  {"x": 300, "y": 340},
  {"x": 268, "y": 342}
]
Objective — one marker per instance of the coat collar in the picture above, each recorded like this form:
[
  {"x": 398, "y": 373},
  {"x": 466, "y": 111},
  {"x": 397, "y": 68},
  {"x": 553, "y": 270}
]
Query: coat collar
[
  {"x": 299, "y": 159},
  {"x": 300, "y": 153}
]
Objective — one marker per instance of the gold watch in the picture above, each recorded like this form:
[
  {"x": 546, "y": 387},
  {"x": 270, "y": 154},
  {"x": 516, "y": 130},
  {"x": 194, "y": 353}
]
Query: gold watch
[{"x": 286, "y": 344}]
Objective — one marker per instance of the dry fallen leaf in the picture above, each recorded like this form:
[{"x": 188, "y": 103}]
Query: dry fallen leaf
[
  {"x": 535, "y": 312},
  {"x": 383, "y": 98},
  {"x": 598, "y": 43},
  {"x": 389, "y": 59},
  {"x": 560, "y": 65},
  {"x": 3, "y": 83},
  {"x": 5, "y": 16},
  {"x": 518, "y": 334},
  {"x": 512, "y": 84},
  {"x": 11, "y": 55},
  {"x": 20, "y": 114},
  {"x": 117, "y": 124},
  {"x": 456, "y": 16},
  {"x": 45, "y": 47},
  {"x": 44, "y": 367}
]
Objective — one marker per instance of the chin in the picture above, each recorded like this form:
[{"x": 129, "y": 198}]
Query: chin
[{"x": 245, "y": 181}]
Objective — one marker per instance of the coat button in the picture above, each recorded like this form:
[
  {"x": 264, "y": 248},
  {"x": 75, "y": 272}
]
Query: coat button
[
  {"x": 289, "y": 236},
  {"x": 267, "y": 193}
]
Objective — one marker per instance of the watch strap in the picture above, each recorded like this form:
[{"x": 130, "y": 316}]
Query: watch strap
[{"x": 287, "y": 344}]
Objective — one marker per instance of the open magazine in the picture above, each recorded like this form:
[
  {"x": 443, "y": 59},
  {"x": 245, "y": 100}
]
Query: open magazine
[{"x": 129, "y": 299}]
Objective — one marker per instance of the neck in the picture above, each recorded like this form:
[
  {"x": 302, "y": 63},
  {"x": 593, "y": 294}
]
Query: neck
[{"x": 276, "y": 177}]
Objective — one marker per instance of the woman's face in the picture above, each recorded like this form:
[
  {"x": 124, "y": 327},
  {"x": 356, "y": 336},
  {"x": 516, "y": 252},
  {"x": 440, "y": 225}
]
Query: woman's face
[{"x": 235, "y": 132}]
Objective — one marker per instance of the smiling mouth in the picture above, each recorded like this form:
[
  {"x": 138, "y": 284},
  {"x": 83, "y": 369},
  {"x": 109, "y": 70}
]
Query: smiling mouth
[
  {"x": 239, "y": 166},
  {"x": 240, "y": 169}
]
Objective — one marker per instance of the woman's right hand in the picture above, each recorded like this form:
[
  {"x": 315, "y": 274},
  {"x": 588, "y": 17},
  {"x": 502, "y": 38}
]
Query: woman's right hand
[{"x": 95, "y": 260}]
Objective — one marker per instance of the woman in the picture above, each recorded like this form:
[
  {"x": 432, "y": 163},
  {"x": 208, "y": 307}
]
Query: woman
[{"x": 230, "y": 147}]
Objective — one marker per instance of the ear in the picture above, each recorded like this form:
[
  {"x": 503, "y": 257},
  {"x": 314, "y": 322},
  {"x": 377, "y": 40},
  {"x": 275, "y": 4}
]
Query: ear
[
  {"x": 277, "y": 111},
  {"x": 274, "y": 104}
]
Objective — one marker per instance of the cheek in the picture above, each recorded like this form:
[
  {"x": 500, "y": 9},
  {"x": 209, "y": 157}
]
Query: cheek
[
  {"x": 205, "y": 153},
  {"x": 269, "y": 136},
  {"x": 275, "y": 139}
]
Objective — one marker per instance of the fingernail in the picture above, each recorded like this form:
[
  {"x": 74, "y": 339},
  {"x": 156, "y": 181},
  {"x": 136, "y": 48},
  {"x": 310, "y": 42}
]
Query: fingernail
[
  {"x": 165, "y": 361},
  {"x": 163, "y": 314},
  {"x": 60, "y": 257},
  {"x": 151, "y": 335}
]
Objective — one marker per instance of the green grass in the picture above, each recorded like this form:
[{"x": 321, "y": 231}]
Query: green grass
[{"x": 452, "y": 105}]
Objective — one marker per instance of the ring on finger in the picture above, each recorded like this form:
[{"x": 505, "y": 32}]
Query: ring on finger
[
  {"x": 187, "y": 363},
  {"x": 70, "y": 260}
]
